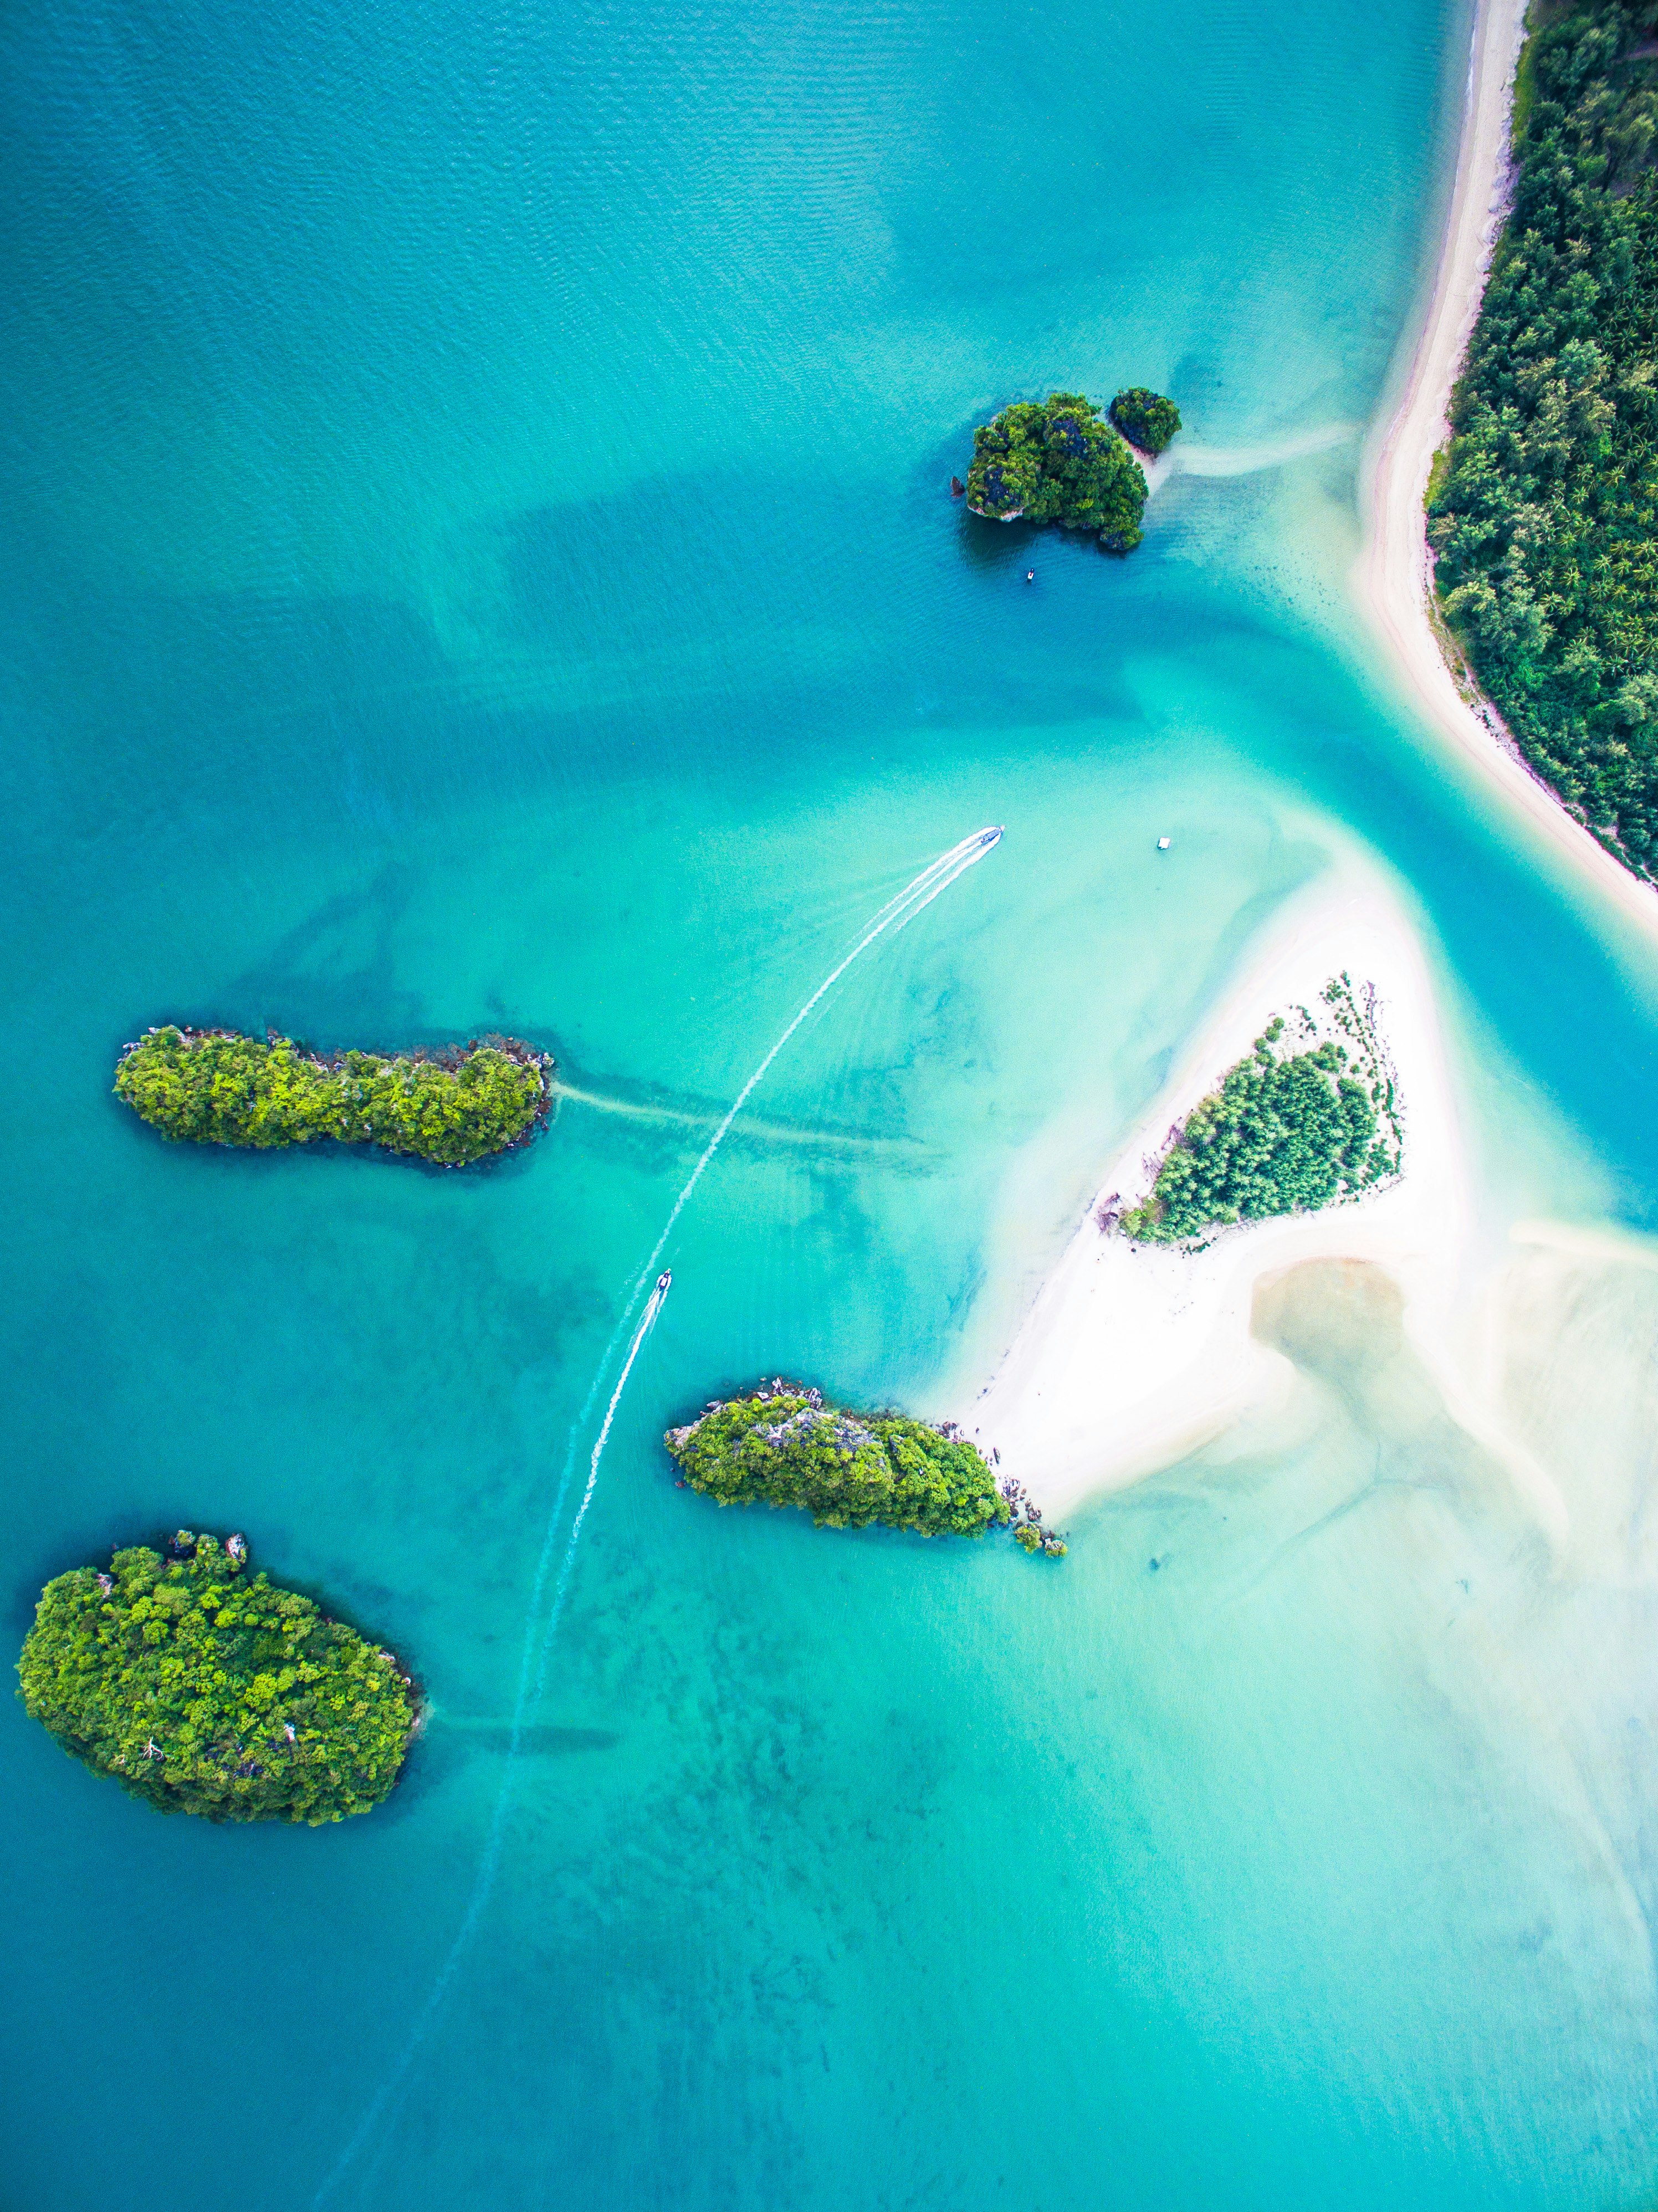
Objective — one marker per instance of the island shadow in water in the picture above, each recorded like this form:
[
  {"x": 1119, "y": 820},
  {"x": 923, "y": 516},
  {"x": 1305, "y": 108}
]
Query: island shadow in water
[
  {"x": 330, "y": 984},
  {"x": 448, "y": 1743},
  {"x": 997, "y": 547}
]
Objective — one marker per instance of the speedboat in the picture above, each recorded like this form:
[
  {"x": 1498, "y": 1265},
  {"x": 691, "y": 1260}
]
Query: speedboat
[
  {"x": 664, "y": 1278},
  {"x": 988, "y": 838}
]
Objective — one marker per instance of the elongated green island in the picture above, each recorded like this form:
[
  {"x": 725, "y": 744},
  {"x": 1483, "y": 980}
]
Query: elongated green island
[
  {"x": 217, "y": 1087},
  {"x": 1310, "y": 1118},
  {"x": 1543, "y": 511},
  {"x": 783, "y": 1444},
  {"x": 1060, "y": 460},
  {"x": 204, "y": 1688}
]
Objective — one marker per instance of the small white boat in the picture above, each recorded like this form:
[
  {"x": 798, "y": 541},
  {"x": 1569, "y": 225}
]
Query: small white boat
[{"x": 664, "y": 1278}]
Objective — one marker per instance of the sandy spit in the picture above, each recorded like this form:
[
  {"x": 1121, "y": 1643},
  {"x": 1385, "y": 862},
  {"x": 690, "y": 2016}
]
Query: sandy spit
[{"x": 1132, "y": 1355}]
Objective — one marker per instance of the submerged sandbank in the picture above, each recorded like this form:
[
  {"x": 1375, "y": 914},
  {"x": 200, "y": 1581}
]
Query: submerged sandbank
[
  {"x": 1132, "y": 1355},
  {"x": 1188, "y": 459},
  {"x": 1392, "y": 576}
]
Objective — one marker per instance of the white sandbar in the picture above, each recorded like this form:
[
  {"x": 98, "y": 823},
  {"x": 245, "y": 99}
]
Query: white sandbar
[{"x": 1132, "y": 1355}]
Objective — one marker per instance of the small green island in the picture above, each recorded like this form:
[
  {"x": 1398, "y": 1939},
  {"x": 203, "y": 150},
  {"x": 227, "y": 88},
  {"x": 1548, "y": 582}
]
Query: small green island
[
  {"x": 782, "y": 1444},
  {"x": 1145, "y": 418},
  {"x": 1060, "y": 460},
  {"x": 450, "y": 1107},
  {"x": 1309, "y": 1119},
  {"x": 204, "y": 1688}
]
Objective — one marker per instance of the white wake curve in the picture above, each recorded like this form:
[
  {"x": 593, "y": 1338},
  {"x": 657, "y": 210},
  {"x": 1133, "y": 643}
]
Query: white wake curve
[{"x": 897, "y": 914}]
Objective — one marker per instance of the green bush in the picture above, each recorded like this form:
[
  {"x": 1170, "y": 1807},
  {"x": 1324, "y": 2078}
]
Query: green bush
[
  {"x": 1281, "y": 1135},
  {"x": 1059, "y": 461},
  {"x": 1145, "y": 418},
  {"x": 784, "y": 1446},
  {"x": 214, "y": 1087},
  {"x": 202, "y": 1688},
  {"x": 1545, "y": 519}
]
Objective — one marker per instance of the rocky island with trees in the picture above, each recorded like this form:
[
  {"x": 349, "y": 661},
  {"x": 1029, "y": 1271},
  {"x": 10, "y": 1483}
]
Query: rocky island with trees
[
  {"x": 1146, "y": 419},
  {"x": 1060, "y": 460},
  {"x": 783, "y": 1443},
  {"x": 1543, "y": 509},
  {"x": 1309, "y": 1119},
  {"x": 202, "y": 1687},
  {"x": 452, "y": 1107}
]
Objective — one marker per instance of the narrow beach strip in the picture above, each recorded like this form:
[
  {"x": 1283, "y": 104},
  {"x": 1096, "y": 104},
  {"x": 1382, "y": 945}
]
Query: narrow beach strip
[{"x": 1392, "y": 576}]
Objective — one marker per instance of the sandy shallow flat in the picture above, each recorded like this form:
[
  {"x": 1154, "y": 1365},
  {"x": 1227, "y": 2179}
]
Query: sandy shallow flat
[{"x": 1132, "y": 1355}]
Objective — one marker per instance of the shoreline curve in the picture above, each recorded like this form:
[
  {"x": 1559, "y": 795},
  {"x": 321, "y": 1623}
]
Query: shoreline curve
[{"x": 1392, "y": 578}]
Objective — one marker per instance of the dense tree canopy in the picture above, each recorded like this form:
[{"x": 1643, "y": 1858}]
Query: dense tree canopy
[
  {"x": 204, "y": 1688},
  {"x": 1058, "y": 461},
  {"x": 785, "y": 1446},
  {"x": 214, "y": 1087},
  {"x": 1544, "y": 511},
  {"x": 1286, "y": 1133},
  {"x": 1145, "y": 418}
]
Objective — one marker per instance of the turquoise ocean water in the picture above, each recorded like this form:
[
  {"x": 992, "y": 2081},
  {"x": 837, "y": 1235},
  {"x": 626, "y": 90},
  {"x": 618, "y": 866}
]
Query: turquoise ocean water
[{"x": 477, "y": 555}]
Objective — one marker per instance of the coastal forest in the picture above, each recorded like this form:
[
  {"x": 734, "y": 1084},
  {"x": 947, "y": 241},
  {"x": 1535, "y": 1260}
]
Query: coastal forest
[
  {"x": 1543, "y": 509},
  {"x": 203, "y": 1688},
  {"x": 1288, "y": 1131},
  {"x": 216, "y": 1087}
]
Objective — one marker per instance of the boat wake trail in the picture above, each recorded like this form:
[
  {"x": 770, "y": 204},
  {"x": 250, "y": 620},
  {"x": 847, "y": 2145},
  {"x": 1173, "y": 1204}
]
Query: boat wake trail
[
  {"x": 896, "y": 914},
  {"x": 646, "y": 1323},
  {"x": 528, "y": 1699}
]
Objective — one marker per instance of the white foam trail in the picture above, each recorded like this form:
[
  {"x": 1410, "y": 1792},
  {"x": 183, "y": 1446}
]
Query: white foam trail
[
  {"x": 489, "y": 1862},
  {"x": 647, "y": 1322},
  {"x": 897, "y": 914}
]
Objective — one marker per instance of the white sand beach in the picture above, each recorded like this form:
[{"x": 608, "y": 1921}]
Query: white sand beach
[
  {"x": 1134, "y": 1354},
  {"x": 1131, "y": 1356},
  {"x": 1392, "y": 576}
]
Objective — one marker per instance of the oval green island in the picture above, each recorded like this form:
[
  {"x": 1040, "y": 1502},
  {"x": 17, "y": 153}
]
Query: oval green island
[
  {"x": 203, "y": 1688},
  {"x": 219, "y": 1087}
]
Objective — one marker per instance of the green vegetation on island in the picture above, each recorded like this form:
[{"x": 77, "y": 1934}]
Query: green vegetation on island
[
  {"x": 1145, "y": 418},
  {"x": 1289, "y": 1131},
  {"x": 216, "y": 1087},
  {"x": 782, "y": 1444},
  {"x": 1058, "y": 461},
  {"x": 203, "y": 1688},
  {"x": 1543, "y": 511}
]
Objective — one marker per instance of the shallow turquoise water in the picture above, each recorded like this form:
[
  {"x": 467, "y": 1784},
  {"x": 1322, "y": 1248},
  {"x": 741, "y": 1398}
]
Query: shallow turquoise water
[{"x": 477, "y": 556}]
